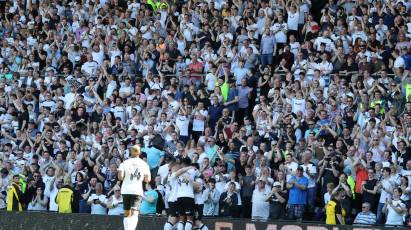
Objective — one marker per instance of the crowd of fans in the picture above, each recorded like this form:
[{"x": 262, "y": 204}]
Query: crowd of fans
[{"x": 288, "y": 109}]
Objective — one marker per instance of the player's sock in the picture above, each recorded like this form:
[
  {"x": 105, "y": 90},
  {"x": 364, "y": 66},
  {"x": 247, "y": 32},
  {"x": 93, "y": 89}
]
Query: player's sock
[
  {"x": 168, "y": 226},
  {"x": 180, "y": 225},
  {"x": 134, "y": 221},
  {"x": 189, "y": 225},
  {"x": 126, "y": 223}
]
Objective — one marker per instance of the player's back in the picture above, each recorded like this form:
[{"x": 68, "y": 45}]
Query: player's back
[{"x": 134, "y": 171}]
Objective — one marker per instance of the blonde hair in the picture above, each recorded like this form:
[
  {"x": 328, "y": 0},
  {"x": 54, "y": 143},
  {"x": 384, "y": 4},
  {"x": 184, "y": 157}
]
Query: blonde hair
[{"x": 135, "y": 150}]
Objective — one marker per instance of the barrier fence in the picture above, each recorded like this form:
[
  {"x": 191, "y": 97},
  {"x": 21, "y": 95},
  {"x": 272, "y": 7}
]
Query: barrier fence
[{"x": 55, "y": 221}]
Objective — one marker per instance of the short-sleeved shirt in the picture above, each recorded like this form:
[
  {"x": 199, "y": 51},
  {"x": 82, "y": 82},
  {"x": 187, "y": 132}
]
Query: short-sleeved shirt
[
  {"x": 147, "y": 207},
  {"x": 297, "y": 195},
  {"x": 243, "y": 96},
  {"x": 153, "y": 156},
  {"x": 232, "y": 93},
  {"x": 134, "y": 171}
]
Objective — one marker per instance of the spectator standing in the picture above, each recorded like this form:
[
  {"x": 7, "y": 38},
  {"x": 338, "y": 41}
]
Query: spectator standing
[
  {"x": 247, "y": 183},
  {"x": 386, "y": 188},
  {"x": 115, "y": 202},
  {"x": 98, "y": 200},
  {"x": 228, "y": 201},
  {"x": 277, "y": 199},
  {"x": 155, "y": 158},
  {"x": 394, "y": 208},
  {"x": 65, "y": 197},
  {"x": 211, "y": 198},
  {"x": 260, "y": 207},
  {"x": 335, "y": 213},
  {"x": 369, "y": 190},
  {"x": 297, "y": 195},
  {"x": 14, "y": 195}
]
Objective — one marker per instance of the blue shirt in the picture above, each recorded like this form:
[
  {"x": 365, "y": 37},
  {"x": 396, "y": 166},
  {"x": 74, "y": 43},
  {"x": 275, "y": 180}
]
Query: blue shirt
[
  {"x": 148, "y": 208},
  {"x": 267, "y": 44},
  {"x": 232, "y": 155},
  {"x": 243, "y": 96},
  {"x": 153, "y": 156},
  {"x": 298, "y": 196},
  {"x": 215, "y": 113},
  {"x": 212, "y": 154},
  {"x": 232, "y": 93}
]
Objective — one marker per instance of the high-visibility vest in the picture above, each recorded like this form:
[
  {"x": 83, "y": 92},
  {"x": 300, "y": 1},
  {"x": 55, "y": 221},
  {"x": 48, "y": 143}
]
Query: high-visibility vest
[
  {"x": 11, "y": 193},
  {"x": 157, "y": 5},
  {"x": 379, "y": 102},
  {"x": 331, "y": 217},
  {"x": 152, "y": 4},
  {"x": 23, "y": 182},
  {"x": 351, "y": 183},
  {"x": 64, "y": 200},
  {"x": 407, "y": 91}
]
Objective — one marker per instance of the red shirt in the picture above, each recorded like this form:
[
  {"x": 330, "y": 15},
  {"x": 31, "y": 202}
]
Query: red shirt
[
  {"x": 196, "y": 69},
  {"x": 361, "y": 175}
]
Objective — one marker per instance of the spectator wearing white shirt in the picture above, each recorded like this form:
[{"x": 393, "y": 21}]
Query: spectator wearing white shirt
[
  {"x": 70, "y": 97},
  {"x": 386, "y": 187},
  {"x": 280, "y": 29},
  {"x": 111, "y": 86},
  {"x": 293, "y": 15},
  {"x": 182, "y": 123},
  {"x": 48, "y": 102},
  {"x": 260, "y": 205},
  {"x": 325, "y": 67},
  {"x": 395, "y": 209},
  {"x": 211, "y": 79},
  {"x": 115, "y": 202},
  {"x": 90, "y": 66},
  {"x": 126, "y": 89},
  {"x": 98, "y": 201},
  {"x": 98, "y": 53},
  {"x": 329, "y": 45},
  {"x": 241, "y": 72},
  {"x": 187, "y": 28}
]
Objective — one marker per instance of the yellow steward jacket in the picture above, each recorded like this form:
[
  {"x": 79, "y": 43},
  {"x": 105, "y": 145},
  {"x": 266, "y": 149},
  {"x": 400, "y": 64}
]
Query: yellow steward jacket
[
  {"x": 14, "y": 196},
  {"x": 64, "y": 200},
  {"x": 331, "y": 210}
]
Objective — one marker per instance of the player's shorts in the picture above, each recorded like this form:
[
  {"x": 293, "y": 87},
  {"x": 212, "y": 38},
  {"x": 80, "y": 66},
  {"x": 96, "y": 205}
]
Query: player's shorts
[
  {"x": 172, "y": 209},
  {"x": 186, "y": 206},
  {"x": 131, "y": 201}
]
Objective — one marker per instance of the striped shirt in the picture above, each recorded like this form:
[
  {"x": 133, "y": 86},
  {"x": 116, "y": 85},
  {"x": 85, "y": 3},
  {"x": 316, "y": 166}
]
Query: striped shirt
[{"x": 365, "y": 218}]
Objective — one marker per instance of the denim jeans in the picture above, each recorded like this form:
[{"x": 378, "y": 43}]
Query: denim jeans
[
  {"x": 84, "y": 207},
  {"x": 266, "y": 59},
  {"x": 311, "y": 197},
  {"x": 379, "y": 213}
]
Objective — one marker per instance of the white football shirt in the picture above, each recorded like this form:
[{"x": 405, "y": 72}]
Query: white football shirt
[
  {"x": 173, "y": 189},
  {"x": 134, "y": 171},
  {"x": 184, "y": 185}
]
